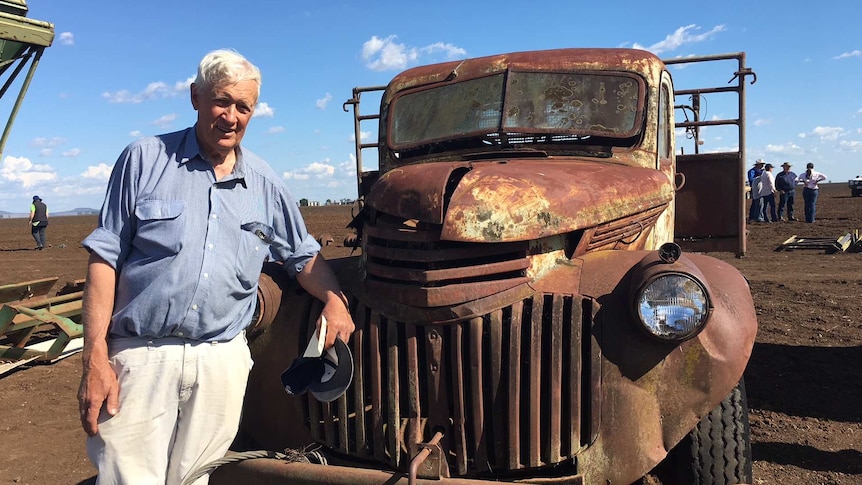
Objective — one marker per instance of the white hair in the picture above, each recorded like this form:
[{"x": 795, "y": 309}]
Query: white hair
[{"x": 226, "y": 66}]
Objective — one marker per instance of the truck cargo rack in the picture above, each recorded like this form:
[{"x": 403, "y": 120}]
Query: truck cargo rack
[{"x": 35, "y": 327}]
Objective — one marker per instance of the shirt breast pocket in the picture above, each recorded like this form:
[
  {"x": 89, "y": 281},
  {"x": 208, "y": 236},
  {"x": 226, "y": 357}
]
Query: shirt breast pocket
[
  {"x": 255, "y": 239},
  {"x": 160, "y": 227}
]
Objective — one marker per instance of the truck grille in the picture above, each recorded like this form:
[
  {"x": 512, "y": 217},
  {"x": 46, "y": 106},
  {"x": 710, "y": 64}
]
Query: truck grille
[
  {"x": 406, "y": 262},
  {"x": 510, "y": 389}
]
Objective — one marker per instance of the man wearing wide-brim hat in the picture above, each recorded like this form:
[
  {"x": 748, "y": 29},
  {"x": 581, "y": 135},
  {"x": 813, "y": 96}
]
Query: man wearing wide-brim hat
[
  {"x": 785, "y": 183},
  {"x": 755, "y": 212}
]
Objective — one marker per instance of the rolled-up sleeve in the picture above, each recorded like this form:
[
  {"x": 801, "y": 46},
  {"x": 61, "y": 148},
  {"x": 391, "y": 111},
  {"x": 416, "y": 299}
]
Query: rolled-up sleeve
[
  {"x": 111, "y": 240},
  {"x": 298, "y": 246}
]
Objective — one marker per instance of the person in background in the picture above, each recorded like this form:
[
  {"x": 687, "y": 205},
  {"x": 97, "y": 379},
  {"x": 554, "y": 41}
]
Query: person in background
[
  {"x": 755, "y": 212},
  {"x": 189, "y": 219},
  {"x": 38, "y": 221},
  {"x": 767, "y": 194},
  {"x": 810, "y": 180},
  {"x": 785, "y": 183}
]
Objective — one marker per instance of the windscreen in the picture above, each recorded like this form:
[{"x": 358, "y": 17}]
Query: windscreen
[{"x": 570, "y": 104}]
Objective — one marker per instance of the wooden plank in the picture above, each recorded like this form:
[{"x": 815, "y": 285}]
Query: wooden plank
[{"x": 26, "y": 290}]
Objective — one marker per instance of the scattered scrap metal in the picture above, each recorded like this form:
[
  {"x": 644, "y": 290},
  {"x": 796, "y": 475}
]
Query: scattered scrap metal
[
  {"x": 850, "y": 243},
  {"x": 37, "y": 327}
]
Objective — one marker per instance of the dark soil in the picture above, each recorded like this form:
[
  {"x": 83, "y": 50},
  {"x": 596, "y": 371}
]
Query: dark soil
[{"x": 803, "y": 380}]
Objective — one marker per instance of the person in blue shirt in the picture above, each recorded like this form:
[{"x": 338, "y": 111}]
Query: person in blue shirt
[
  {"x": 785, "y": 183},
  {"x": 755, "y": 211},
  {"x": 188, "y": 220}
]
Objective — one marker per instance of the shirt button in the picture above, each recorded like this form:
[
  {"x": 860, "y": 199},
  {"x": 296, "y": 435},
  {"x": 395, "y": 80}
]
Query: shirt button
[
  {"x": 206, "y": 275},
  {"x": 256, "y": 248},
  {"x": 194, "y": 307},
  {"x": 180, "y": 334},
  {"x": 210, "y": 246},
  {"x": 214, "y": 216}
]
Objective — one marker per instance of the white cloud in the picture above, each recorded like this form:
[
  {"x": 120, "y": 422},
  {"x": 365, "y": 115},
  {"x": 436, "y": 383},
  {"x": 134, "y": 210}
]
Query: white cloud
[
  {"x": 322, "y": 102},
  {"x": 99, "y": 172},
  {"x": 153, "y": 90},
  {"x": 451, "y": 51},
  {"x": 181, "y": 86},
  {"x": 67, "y": 38},
  {"x": 25, "y": 172},
  {"x": 388, "y": 55},
  {"x": 853, "y": 53},
  {"x": 135, "y": 133},
  {"x": 263, "y": 110},
  {"x": 850, "y": 146},
  {"x": 363, "y": 136},
  {"x": 165, "y": 121},
  {"x": 786, "y": 149},
  {"x": 762, "y": 121},
  {"x": 47, "y": 142},
  {"x": 348, "y": 167},
  {"x": 681, "y": 36},
  {"x": 74, "y": 152},
  {"x": 316, "y": 170},
  {"x": 275, "y": 129},
  {"x": 828, "y": 133}
]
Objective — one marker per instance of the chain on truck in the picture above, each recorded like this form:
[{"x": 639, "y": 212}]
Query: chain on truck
[{"x": 531, "y": 295}]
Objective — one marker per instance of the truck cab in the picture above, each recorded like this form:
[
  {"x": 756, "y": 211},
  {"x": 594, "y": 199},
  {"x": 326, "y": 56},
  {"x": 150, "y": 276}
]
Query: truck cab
[{"x": 531, "y": 296}]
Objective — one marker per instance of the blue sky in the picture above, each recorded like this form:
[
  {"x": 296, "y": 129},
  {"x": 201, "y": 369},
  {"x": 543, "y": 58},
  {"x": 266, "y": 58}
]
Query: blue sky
[{"x": 120, "y": 70}]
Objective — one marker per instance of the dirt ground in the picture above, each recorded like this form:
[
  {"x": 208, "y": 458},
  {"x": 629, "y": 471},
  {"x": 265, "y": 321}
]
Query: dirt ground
[{"x": 803, "y": 381}]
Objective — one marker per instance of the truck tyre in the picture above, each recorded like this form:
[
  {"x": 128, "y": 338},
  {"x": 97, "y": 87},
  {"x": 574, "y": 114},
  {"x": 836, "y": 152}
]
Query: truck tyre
[{"x": 717, "y": 451}]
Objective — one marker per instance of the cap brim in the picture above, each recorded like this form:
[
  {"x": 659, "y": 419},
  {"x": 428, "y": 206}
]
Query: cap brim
[{"x": 338, "y": 376}]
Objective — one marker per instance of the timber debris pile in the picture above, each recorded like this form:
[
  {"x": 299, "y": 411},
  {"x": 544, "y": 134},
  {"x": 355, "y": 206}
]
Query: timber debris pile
[{"x": 849, "y": 243}]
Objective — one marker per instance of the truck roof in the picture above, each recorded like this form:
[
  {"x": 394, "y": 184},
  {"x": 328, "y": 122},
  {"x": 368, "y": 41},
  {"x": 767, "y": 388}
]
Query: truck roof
[{"x": 542, "y": 60}]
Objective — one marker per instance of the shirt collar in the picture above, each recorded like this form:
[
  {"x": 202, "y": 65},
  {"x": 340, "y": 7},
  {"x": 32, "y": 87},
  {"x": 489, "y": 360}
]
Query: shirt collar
[{"x": 190, "y": 149}]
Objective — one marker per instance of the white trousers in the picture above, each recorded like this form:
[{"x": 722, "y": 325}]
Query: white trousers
[{"x": 180, "y": 406}]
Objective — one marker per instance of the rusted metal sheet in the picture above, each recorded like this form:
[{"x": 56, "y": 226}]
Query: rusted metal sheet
[
  {"x": 530, "y": 199},
  {"x": 524, "y": 199},
  {"x": 550, "y": 60},
  {"x": 414, "y": 191}
]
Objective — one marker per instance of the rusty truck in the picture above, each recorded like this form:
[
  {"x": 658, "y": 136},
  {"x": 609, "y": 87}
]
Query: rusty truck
[{"x": 532, "y": 298}]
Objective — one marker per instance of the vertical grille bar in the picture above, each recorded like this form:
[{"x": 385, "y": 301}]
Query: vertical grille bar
[
  {"x": 358, "y": 338},
  {"x": 555, "y": 389},
  {"x": 497, "y": 400},
  {"x": 477, "y": 391},
  {"x": 456, "y": 335},
  {"x": 393, "y": 393},
  {"x": 375, "y": 354},
  {"x": 515, "y": 387},
  {"x": 535, "y": 364},
  {"x": 414, "y": 433},
  {"x": 572, "y": 342},
  {"x": 328, "y": 423}
]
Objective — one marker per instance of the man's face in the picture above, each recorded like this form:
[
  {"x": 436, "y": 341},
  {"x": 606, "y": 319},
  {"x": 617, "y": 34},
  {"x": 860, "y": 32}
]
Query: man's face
[
  {"x": 786, "y": 168},
  {"x": 223, "y": 114}
]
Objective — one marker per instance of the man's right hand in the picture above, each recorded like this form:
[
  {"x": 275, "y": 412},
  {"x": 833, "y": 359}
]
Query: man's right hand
[{"x": 99, "y": 387}]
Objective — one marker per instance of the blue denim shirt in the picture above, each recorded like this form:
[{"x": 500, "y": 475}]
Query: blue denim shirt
[{"x": 188, "y": 249}]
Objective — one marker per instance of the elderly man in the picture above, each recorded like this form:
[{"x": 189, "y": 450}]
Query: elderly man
[{"x": 188, "y": 220}]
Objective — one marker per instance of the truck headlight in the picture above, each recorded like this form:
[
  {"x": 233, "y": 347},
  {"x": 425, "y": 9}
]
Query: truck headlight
[{"x": 672, "y": 306}]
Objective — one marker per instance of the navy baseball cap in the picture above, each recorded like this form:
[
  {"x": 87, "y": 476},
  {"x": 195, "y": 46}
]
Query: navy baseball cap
[
  {"x": 36, "y": 197},
  {"x": 326, "y": 375}
]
